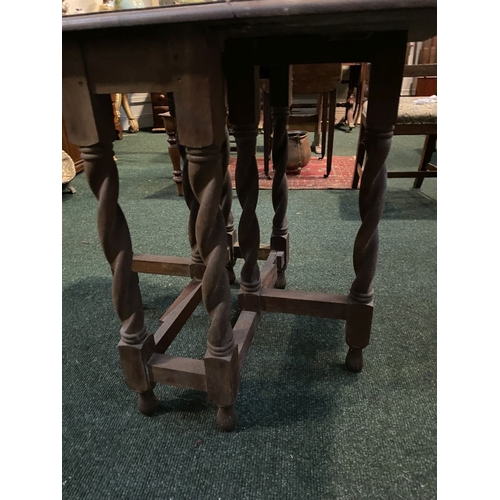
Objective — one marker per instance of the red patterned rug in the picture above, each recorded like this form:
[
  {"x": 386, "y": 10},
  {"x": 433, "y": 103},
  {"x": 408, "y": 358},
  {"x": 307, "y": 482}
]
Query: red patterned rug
[{"x": 311, "y": 176}]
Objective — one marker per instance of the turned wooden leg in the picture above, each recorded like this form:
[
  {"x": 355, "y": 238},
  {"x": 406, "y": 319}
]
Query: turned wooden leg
[
  {"x": 194, "y": 207},
  {"x": 324, "y": 122},
  {"x": 242, "y": 87},
  {"x": 135, "y": 346},
  {"x": 350, "y": 109},
  {"x": 133, "y": 123},
  {"x": 226, "y": 204},
  {"x": 317, "y": 141},
  {"x": 280, "y": 101},
  {"x": 116, "y": 99},
  {"x": 360, "y": 157},
  {"x": 221, "y": 358},
  {"x": 360, "y": 93},
  {"x": 95, "y": 135},
  {"x": 267, "y": 132},
  {"x": 427, "y": 152},
  {"x": 201, "y": 121},
  {"x": 331, "y": 129},
  {"x": 173, "y": 149},
  {"x": 381, "y": 116}
]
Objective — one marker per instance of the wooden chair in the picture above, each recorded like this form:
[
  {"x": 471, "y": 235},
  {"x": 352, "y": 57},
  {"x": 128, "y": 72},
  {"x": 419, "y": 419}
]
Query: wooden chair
[
  {"x": 354, "y": 76},
  {"x": 321, "y": 80},
  {"x": 413, "y": 119},
  {"x": 170, "y": 126}
]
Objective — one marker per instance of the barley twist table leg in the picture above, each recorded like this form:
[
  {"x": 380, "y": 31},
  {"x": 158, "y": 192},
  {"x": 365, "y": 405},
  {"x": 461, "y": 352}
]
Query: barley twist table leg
[
  {"x": 279, "y": 235},
  {"x": 226, "y": 204},
  {"x": 135, "y": 346},
  {"x": 385, "y": 86},
  {"x": 371, "y": 205},
  {"x": 221, "y": 358},
  {"x": 247, "y": 188},
  {"x": 194, "y": 208},
  {"x": 173, "y": 149}
]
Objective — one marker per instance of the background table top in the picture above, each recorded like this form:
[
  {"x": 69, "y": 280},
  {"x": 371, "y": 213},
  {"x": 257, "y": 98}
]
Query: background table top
[{"x": 261, "y": 17}]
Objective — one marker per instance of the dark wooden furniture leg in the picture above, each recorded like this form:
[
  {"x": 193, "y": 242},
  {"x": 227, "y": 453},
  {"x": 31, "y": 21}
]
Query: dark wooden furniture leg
[
  {"x": 173, "y": 149},
  {"x": 360, "y": 93},
  {"x": 360, "y": 157},
  {"x": 324, "y": 123},
  {"x": 385, "y": 84},
  {"x": 429, "y": 148},
  {"x": 89, "y": 121},
  {"x": 267, "y": 132},
  {"x": 226, "y": 205},
  {"x": 200, "y": 100},
  {"x": 280, "y": 94},
  {"x": 243, "y": 99},
  {"x": 331, "y": 129},
  {"x": 316, "y": 140}
]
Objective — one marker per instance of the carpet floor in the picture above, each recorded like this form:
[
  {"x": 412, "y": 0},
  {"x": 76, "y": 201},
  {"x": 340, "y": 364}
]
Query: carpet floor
[
  {"x": 310, "y": 177},
  {"x": 308, "y": 429}
]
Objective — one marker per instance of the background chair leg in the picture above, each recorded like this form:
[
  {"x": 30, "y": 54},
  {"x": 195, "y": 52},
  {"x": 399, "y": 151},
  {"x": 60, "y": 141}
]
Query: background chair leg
[
  {"x": 360, "y": 157},
  {"x": 429, "y": 148},
  {"x": 324, "y": 123},
  {"x": 331, "y": 129},
  {"x": 267, "y": 133}
]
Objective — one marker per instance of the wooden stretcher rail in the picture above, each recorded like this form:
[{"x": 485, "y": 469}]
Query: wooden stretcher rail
[
  {"x": 177, "y": 371},
  {"x": 263, "y": 253},
  {"x": 418, "y": 174},
  {"x": 243, "y": 332},
  {"x": 269, "y": 272},
  {"x": 158, "y": 264},
  {"x": 194, "y": 285},
  {"x": 177, "y": 315},
  {"x": 323, "y": 305}
]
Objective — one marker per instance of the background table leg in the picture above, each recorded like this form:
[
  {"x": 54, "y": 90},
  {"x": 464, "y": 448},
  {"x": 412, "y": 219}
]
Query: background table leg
[
  {"x": 280, "y": 93},
  {"x": 243, "y": 99},
  {"x": 226, "y": 204}
]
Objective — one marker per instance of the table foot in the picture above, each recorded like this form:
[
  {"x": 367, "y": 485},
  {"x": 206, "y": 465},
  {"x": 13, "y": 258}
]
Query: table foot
[
  {"x": 227, "y": 418},
  {"x": 148, "y": 403},
  {"x": 354, "y": 360},
  {"x": 230, "y": 274},
  {"x": 281, "y": 280}
]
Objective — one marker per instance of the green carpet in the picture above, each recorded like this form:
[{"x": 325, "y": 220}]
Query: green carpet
[{"x": 307, "y": 429}]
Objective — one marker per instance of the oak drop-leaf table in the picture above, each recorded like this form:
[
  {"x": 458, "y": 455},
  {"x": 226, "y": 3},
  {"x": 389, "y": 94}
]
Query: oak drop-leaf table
[{"x": 209, "y": 56}]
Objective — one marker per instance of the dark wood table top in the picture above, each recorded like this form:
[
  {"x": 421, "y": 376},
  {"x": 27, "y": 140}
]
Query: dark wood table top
[{"x": 244, "y": 18}]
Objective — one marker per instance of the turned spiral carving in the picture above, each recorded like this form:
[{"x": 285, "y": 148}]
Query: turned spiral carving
[
  {"x": 206, "y": 180},
  {"x": 279, "y": 234},
  {"x": 193, "y": 206},
  {"x": 371, "y": 205},
  {"x": 247, "y": 188},
  {"x": 227, "y": 188},
  {"x": 226, "y": 205},
  {"x": 102, "y": 176},
  {"x": 280, "y": 159}
]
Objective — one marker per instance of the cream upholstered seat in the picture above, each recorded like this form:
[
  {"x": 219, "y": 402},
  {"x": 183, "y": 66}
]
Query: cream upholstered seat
[
  {"x": 410, "y": 113},
  {"x": 415, "y": 117}
]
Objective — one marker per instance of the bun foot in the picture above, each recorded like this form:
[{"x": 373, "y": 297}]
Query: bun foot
[
  {"x": 231, "y": 275},
  {"x": 148, "y": 403},
  {"x": 280, "y": 281},
  {"x": 354, "y": 359},
  {"x": 227, "y": 418}
]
